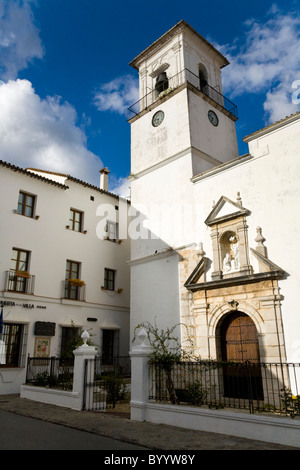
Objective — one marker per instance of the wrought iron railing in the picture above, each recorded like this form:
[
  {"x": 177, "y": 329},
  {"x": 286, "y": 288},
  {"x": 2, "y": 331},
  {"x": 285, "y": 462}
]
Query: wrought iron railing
[
  {"x": 263, "y": 387},
  {"x": 107, "y": 383},
  {"x": 72, "y": 290},
  {"x": 50, "y": 372},
  {"x": 185, "y": 76},
  {"x": 19, "y": 281}
]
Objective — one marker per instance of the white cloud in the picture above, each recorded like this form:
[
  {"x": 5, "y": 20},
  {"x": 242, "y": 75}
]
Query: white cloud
[
  {"x": 35, "y": 132},
  {"x": 267, "y": 62},
  {"x": 121, "y": 187},
  {"x": 117, "y": 95},
  {"x": 19, "y": 38},
  {"x": 43, "y": 133}
]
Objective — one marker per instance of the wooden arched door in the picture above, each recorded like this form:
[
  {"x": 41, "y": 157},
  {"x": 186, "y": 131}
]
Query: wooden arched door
[{"x": 239, "y": 344}]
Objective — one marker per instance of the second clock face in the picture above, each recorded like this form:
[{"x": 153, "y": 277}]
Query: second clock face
[
  {"x": 158, "y": 118},
  {"x": 213, "y": 118}
]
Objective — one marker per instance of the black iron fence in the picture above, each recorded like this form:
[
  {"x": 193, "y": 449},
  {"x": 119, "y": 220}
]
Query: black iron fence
[
  {"x": 51, "y": 372},
  {"x": 267, "y": 387},
  {"x": 107, "y": 382},
  {"x": 185, "y": 76}
]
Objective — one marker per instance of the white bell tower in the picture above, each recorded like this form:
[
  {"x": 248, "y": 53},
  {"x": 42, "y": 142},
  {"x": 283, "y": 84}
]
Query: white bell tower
[
  {"x": 181, "y": 108},
  {"x": 181, "y": 126}
]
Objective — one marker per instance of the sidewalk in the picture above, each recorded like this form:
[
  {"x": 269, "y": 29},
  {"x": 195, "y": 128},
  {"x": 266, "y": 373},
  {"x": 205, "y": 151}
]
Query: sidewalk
[{"x": 118, "y": 426}]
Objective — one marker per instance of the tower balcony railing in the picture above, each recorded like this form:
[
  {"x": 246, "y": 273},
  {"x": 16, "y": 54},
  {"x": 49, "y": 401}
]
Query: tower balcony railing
[
  {"x": 185, "y": 76},
  {"x": 19, "y": 281}
]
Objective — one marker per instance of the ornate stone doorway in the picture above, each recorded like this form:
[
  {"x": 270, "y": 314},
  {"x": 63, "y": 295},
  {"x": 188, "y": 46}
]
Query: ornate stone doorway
[{"x": 239, "y": 345}]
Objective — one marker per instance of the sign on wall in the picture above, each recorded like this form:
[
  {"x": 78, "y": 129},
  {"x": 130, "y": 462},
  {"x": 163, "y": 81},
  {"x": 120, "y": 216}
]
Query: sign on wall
[{"x": 43, "y": 328}]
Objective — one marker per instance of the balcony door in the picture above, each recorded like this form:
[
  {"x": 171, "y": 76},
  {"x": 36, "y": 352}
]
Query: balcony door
[
  {"x": 18, "y": 275},
  {"x": 72, "y": 272}
]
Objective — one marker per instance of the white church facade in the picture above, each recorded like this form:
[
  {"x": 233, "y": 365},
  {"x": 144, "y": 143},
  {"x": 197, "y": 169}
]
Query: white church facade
[{"x": 218, "y": 250}]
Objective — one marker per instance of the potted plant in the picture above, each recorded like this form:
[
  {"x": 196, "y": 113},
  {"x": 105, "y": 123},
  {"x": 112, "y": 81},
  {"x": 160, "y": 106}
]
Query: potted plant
[
  {"x": 76, "y": 282},
  {"x": 22, "y": 274}
]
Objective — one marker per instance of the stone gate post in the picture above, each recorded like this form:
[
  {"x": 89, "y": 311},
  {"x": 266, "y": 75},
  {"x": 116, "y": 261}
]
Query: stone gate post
[
  {"x": 81, "y": 354},
  {"x": 139, "y": 376}
]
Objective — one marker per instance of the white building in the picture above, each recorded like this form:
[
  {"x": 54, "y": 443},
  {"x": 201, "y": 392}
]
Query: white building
[
  {"x": 221, "y": 240},
  {"x": 62, "y": 267}
]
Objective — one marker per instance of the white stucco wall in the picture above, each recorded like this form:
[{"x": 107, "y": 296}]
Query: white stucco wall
[
  {"x": 155, "y": 298},
  {"x": 50, "y": 244},
  {"x": 152, "y": 145}
]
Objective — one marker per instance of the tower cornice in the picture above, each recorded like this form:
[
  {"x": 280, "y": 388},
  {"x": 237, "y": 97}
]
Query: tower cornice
[{"x": 175, "y": 30}]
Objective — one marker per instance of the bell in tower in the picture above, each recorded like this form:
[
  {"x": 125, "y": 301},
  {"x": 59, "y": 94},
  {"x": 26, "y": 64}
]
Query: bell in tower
[{"x": 161, "y": 83}]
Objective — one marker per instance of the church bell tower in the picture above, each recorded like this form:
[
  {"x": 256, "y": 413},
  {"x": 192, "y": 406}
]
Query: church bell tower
[{"x": 181, "y": 109}]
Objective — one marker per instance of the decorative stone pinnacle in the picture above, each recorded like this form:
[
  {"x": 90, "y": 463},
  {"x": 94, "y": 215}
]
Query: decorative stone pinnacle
[
  {"x": 238, "y": 198},
  {"x": 201, "y": 252},
  {"x": 259, "y": 237},
  {"x": 85, "y": 336},
  {"x": 260, "y": 242},
  {"x": 142, "y": 336}
]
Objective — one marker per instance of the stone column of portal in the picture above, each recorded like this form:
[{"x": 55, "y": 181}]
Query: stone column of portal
[{"x": 139, "y": 376}]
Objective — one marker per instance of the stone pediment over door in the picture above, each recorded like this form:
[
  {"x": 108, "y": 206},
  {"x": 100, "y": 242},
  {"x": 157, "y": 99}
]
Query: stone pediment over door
[
  {"x": 225, "y": 210},
  {"x": 228, "y": 223}
]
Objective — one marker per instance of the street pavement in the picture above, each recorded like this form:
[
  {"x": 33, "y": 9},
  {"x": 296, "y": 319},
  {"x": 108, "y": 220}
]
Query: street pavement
[
  {"x": 119, "y": 427},
  {"x": 19, "y": 432}
]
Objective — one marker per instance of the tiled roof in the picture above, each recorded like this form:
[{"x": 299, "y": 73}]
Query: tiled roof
[
  {"x": 91, "y": 186},
  {"x": 12, "y": 167},
  {"x": 272, "y": 126},
  {"x": 75, "y": 180}
]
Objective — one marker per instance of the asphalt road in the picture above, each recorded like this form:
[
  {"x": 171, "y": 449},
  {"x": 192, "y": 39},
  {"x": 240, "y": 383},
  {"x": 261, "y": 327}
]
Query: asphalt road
[{"x": 22, "y": 433}]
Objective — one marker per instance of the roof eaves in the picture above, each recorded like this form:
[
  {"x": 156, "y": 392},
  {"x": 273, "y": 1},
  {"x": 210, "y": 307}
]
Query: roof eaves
[
  {"x": 91, "y": 186},
  {"x": 275, "y": 125},
  {"x": 12, "y": 167},
  {"x": 166, "y": 36}
]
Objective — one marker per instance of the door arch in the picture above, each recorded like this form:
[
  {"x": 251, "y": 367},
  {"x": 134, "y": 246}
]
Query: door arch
[{"x": 239, "y": 344}]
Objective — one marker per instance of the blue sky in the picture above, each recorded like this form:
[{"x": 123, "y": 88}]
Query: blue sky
[{"x": 66, "y": 81}]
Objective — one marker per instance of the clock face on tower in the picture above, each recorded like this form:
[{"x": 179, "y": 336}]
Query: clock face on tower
[
  {"x": 213, "y": 118},
  {"x": 158, "y": 118}
]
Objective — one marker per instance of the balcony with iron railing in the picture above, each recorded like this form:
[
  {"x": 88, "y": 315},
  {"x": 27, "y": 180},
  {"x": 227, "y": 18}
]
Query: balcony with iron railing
[
  {"x": 172, "y": 83},
  {"x": 73, "y": 289},
  {"x": 19, "y": 281},
  {"x": 22, "y": 282}
]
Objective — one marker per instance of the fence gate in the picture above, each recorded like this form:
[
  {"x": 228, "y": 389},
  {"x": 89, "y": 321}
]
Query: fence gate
[{"x": 106, "y": 383}]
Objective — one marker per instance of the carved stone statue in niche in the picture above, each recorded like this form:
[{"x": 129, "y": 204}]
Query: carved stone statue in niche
[
  {"x": 230, "y": 252},
  {"x": 227, "y": 263},
  {"x": 228, "y": 222},
  {"x": 235, "y": 264}
]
